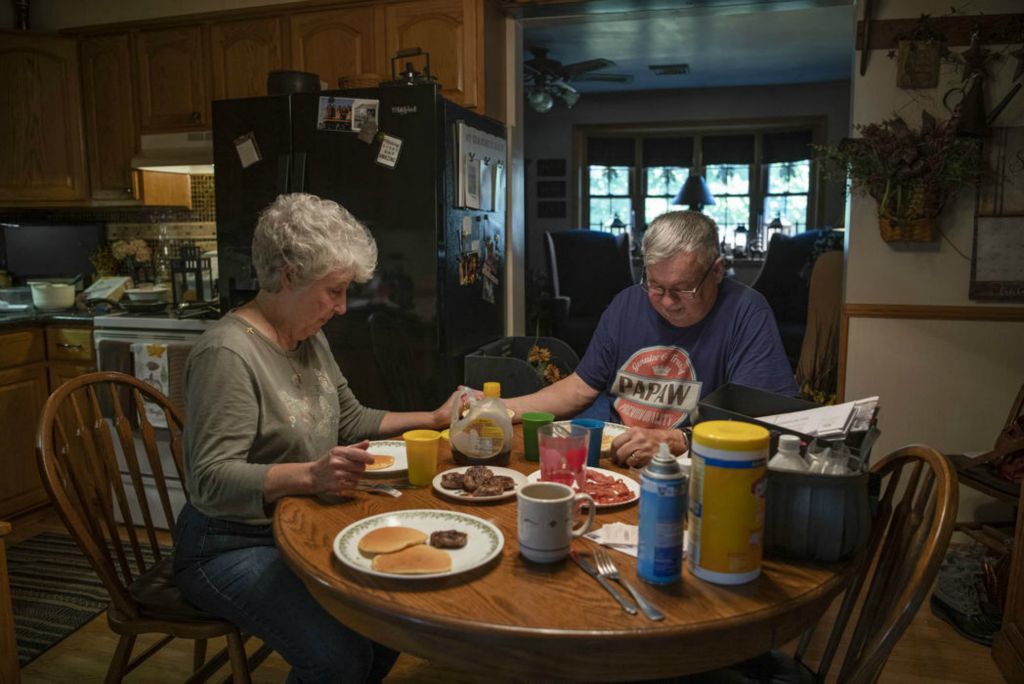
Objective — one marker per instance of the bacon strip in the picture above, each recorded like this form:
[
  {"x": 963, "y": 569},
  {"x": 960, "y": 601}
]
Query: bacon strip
[{"x": 607, "y": 490}]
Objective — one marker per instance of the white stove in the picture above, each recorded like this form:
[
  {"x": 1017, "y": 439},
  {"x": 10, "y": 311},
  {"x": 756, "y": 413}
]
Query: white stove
[
  {"x": 160, "y": 321},
  {"x": 124, "y": 342}
]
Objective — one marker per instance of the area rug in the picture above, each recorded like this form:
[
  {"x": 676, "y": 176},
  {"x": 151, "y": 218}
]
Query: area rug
[{"x": 54, "y": 591}]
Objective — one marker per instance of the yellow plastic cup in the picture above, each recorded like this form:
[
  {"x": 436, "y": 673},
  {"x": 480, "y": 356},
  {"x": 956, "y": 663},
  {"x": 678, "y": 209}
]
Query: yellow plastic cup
[{"x": 421, "y": 452}]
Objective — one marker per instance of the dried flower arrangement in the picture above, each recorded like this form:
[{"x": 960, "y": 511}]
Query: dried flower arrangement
[{"x": 910, "y": 173}]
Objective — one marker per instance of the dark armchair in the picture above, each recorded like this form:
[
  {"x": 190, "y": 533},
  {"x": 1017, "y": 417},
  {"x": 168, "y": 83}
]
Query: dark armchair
[
  {"x": 785, "y": 281},
  {"x": 588, "y": 268}
]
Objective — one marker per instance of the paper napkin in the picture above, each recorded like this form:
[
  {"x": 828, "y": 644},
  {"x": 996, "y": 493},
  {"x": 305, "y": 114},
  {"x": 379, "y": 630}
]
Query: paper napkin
[{"x": 624, "y": 538}]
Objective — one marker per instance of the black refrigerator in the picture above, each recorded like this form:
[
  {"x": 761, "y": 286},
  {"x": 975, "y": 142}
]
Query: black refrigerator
[{"x": 425, "y": 176}]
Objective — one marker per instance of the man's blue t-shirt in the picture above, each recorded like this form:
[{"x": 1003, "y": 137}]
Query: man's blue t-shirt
[{"x": 652, "y": 373}]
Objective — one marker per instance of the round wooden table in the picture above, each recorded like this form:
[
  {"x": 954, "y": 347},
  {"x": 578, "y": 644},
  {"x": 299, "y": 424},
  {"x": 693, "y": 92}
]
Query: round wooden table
[{"x": 521, "y": 620}]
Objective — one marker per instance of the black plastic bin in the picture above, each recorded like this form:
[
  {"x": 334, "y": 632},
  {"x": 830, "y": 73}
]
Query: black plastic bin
[
  {"x": 504, "y": 361},
  {"x": 807, "y": 516}
]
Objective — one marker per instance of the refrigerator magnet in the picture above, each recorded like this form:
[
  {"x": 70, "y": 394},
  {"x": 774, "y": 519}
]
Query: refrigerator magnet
[
  {"x": 248, "y": 150},
  {"x": 390, "y": 147}
]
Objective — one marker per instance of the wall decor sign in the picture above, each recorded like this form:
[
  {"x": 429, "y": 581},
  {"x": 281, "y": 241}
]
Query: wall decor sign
[
  {"x": 551, "y": 189},
  {"x": 551, "y": 167},
  {"x": 997, "y": 263},
  {"x": 551, "y": 209}
]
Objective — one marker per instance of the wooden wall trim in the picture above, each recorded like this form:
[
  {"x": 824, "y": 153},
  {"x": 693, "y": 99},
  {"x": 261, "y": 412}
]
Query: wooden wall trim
[
  {"x": 1005, "y": 314},
  {"x": 937, "y": 313},
  {"x": 993, "y": 28}
]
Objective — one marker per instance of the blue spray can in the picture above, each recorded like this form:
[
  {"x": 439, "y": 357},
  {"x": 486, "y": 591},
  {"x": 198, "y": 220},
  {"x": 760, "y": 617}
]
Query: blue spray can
[{"x": 662, "y": 509}]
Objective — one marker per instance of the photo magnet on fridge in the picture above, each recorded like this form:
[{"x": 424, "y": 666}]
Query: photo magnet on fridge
[
  {"x": 390, "y": 147},
  {"x": 346, "y": 115}
]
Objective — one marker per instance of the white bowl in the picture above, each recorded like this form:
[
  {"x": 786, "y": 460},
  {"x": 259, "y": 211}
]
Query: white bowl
[
  {"x": 147, "y": 294},
  {"x": 52, "y": 296}
]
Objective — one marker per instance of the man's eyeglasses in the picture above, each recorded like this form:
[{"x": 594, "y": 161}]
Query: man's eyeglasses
[{"x": 677, "y": 293}]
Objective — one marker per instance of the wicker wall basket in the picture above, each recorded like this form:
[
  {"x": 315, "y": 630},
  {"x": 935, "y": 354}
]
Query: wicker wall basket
[
  {"x": 914, "y": 230},
  {"x": 367, "y": 80}
]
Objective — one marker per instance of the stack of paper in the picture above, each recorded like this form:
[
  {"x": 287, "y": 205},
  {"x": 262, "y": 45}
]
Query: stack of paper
[{"x": 828, "y": 422}]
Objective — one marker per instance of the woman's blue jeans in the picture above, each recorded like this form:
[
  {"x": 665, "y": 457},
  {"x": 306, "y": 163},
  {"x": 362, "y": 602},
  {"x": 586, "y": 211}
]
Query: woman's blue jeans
[{"x": 236, "y": 572}]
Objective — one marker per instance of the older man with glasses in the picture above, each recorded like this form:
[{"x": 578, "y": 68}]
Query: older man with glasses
[{"x": 664, "y": 344}]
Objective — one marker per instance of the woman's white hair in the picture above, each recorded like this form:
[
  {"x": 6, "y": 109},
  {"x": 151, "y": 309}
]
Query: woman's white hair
[
  {"x": 310, "y": 237},
  {"x": 681, "y": 231}
]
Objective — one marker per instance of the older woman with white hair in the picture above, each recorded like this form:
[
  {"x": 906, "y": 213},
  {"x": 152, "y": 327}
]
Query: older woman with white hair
[{"x": 269, "y": 414}]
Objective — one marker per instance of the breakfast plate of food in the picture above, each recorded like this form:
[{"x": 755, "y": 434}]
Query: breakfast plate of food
[
  {"x": 607, "y": 487},
  {"x": 474, "y": 484},
  {"x": 388, "y": 457},
  {"x": 418, "y": 544}
]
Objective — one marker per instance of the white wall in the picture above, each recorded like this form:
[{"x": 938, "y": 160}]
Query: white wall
[
  {"x": 946, "y": 383},
  {"x": 549, "y": 135}
]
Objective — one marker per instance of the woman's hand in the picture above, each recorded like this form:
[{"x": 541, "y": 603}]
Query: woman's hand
[
  {"x": 338, "y": 471},
  {"x": 441, "y": 417},
  {"x": 637, "y": 446}
]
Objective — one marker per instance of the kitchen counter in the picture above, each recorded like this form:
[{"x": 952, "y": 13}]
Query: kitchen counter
[{"x": 9, "y": 319}]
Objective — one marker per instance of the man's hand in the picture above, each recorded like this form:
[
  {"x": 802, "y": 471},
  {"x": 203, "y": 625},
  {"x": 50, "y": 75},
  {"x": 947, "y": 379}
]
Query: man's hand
[
  {"x": 637, "y": 446},
  {"x": 338, "y": 471}
]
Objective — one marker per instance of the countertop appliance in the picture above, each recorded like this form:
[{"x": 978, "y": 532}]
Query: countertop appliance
[{"x": 402, "y": 341}]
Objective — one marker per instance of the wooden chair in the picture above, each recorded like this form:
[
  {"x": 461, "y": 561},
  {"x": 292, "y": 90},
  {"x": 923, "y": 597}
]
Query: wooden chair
[
  {"x": 908, "y": 541},
  {"x": 9, "y": 672},
  {"x": 89, "y": 424}
]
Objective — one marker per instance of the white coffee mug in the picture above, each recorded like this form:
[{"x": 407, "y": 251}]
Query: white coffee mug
[{"x": 546, "y": 511}]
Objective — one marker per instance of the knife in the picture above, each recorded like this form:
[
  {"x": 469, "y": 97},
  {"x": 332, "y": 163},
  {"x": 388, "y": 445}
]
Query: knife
[{"x": 587, "y": 568}]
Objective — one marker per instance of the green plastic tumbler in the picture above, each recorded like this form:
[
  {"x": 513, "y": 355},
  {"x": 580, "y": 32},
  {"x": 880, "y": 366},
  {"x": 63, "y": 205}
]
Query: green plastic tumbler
[{"x": 532, "y": 421}]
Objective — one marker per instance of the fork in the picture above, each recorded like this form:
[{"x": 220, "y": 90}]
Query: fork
[
  {"x": 607, "y": 568},
  {"x": 380, "y": 487}
]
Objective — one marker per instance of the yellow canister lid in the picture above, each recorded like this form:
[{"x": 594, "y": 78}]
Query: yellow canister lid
[
  {"x": 492, "y": 389},
  {"x": 730, "y": 435}
]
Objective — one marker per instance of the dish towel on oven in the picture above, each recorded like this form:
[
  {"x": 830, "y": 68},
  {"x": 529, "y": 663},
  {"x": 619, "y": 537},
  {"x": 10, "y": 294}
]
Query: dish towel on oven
[{"x": 151, "y": 368}]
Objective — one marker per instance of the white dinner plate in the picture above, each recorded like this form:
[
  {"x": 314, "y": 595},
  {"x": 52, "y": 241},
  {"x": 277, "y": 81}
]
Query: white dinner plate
[
  {"x": 517, "y": 478},
  {"x": 631, "y": 484},
  {"x": 388, "y": 447},
  {"x": 610, "y": 432},
  {"x": 484, "y": 541}
]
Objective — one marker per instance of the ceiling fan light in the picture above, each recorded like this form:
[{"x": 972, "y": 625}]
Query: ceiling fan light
[
  {"x": 540, "y": 100},
  {"x": 571, "y": 97}
]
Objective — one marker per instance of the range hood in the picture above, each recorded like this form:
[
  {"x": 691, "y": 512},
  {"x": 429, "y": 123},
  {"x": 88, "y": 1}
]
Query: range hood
[{"x": 190, "y": 153}]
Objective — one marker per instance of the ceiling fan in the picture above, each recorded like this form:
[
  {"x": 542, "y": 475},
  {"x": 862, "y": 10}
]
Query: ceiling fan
[{"x": 546, "y": 77}]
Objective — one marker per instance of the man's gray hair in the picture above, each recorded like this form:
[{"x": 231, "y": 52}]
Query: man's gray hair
[
  {"x": 681, "y": 231},
  {"x": 311, "y": 237}
]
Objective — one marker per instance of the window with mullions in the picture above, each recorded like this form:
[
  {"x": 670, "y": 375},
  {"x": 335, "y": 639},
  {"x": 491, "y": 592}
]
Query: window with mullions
[
  {"x": 662, "y": 185},
  {"x": 730, "y": 185},
  {"x": 789, "y": 185},
  {"x": 609, "y": 196}
]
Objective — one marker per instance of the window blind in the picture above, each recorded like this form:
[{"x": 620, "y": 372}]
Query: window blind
[
  {"x": 788, "y": 146},
  {"x": 610, "y": 151},
  {"x": 728, "y": 149},
  {"x": 668, "y": 151}
]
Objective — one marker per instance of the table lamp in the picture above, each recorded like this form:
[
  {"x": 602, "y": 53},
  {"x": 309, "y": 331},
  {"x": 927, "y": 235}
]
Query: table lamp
[{"x": 694, "y": 193}]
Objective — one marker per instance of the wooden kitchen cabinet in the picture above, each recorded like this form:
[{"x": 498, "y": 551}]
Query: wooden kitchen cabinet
[
  {"x": 242, "y": 53},
  {"x": 173, "y": 92},
  {"x": 70, "y": 353},
  {"x": 23, "y": 391},
  {"x": 108, "y": 109},
  {"x": 338, "y": 42},
  {"x": 1008, "y": 645},
  {"x": 42, "y": 155},
  {"x": 447, "y": 29}
]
